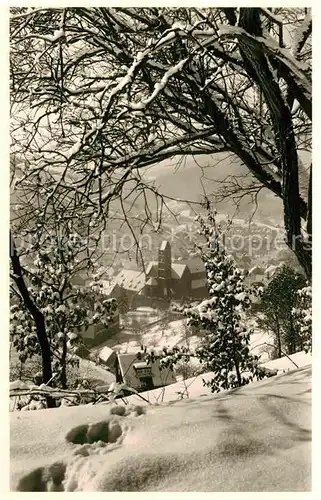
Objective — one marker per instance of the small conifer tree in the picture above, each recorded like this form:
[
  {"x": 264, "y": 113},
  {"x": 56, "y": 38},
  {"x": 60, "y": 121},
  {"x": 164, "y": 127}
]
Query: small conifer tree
[{"x": 225, "y": 348}]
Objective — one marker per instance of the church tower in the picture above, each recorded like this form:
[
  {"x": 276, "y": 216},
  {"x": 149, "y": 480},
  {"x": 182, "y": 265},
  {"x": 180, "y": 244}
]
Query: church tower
[{"x": 165, "y": 268}]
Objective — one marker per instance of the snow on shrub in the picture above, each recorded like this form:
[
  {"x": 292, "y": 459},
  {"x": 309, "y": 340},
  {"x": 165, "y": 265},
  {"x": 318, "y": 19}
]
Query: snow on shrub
[
  {"x": 302, "y": 315},
  {"x": 68, "y": 309}
]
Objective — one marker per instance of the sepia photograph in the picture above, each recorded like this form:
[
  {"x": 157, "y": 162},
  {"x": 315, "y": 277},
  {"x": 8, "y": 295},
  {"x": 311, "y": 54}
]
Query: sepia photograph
[{"x": 160, "y": 332}]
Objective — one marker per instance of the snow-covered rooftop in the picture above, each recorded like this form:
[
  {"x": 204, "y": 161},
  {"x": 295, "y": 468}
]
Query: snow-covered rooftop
[
  {"x": 106, "y": 353},
  {"x": 178, "y": 270},
  {"x": 131, "y": 280}
]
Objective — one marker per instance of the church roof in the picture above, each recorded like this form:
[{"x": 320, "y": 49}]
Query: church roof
[
  {"x": 178, "y": 270},
  {"x": 152, "y": 282},
  {"x": 195, "y": 265}
]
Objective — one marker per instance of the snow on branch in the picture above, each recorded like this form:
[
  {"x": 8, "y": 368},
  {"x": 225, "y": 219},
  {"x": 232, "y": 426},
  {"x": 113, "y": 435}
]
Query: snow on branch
[
  {"x": 57, "y": 35},
  {"x": 124, "y": 82},
  {"x": 228, "y": 30},
  {"x": 282, "y": 55},
  {"x": 30, "y": 11},
  {"x": 276, "y": 19},
  {"x": 159, "y": 86},
  {"x": 19, "y": 389},
  {"x": 165, "y": 40},
  {"x": 301, "y": 34}
]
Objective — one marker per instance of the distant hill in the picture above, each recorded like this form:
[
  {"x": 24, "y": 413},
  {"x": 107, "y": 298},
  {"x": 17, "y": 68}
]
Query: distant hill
[{"x": 191, "y": 178}]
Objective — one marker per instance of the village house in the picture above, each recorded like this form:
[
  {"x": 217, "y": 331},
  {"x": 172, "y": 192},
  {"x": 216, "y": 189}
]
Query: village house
[
  {"x": 98, "y": 333},
  {"x": 140, "y": 375},
  {"x": 134, "y": 372},
  {"x": 107, "y": 357}
]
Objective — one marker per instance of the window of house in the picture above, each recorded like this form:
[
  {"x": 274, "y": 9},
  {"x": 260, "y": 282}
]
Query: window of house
[
  {"x": 144, "y": 373},
  {"x": 146, "y": 383}
]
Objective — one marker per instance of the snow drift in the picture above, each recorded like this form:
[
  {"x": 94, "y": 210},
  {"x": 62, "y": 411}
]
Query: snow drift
[{"x": 256, "y": 438}]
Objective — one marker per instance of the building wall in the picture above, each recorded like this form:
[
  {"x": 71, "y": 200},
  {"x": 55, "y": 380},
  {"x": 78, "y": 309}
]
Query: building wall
[
  {"x": 199, "y": 275},
  {"x": 150, "y": 301},
  {"x": 182, "y": 286},
  {"x": 165, "y": 262},
  {"x": 153, "y": 291}
]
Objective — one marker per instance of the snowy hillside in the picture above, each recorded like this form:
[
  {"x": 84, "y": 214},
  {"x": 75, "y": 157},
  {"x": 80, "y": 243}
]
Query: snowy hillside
[
  {"x": 194, "y": 387},
  {"x": 256, "y": 438},
  {"x": 172, "y": 334}
]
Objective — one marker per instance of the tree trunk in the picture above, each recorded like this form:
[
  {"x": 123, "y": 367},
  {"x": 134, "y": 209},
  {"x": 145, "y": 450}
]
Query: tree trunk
[
  {"x": 293, "y": 336},
  {"x": 37, "y": 317},
  {"x": 237, "y": 370},
  {"x": 278, "y": 339},
  {"x": 309, "y": 215},
  {"x": 63, "y": 376},
  {"x": 256, "y": 64}
]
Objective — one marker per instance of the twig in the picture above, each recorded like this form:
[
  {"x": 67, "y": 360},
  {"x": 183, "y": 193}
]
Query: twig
[{"x": 284, "y": 353}]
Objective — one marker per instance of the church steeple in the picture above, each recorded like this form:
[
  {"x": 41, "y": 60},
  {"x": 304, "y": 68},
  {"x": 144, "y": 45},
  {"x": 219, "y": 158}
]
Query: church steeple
[{"x": 165, "y": 267}]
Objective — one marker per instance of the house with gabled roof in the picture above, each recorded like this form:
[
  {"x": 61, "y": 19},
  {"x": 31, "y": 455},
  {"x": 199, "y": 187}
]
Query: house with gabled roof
[
  {"x": 109, "y": 288},
  {"x": 131, "y": 281},
  {"x": 164, "y": 279},
  {"x": 142, "y": 376},
  {"x": 133, "y": 371}
]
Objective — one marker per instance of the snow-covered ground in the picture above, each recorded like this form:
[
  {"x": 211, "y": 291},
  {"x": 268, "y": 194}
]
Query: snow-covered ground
[
  {"x": 91, "y": 371},
  {"x": 288, "y": 363},
  {"x": 174, "y": 334},
  {"x": 155, "y": 336},
  {"x": 256, "y": 438}
]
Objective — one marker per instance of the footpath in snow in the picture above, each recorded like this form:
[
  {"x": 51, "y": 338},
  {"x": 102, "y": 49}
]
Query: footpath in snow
[{"x": 255, "y": 438}]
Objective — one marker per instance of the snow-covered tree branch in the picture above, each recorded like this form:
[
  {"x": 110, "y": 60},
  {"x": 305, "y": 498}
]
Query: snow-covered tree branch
[{"x": 98, "y": 93}]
